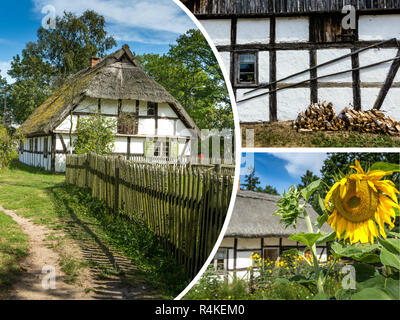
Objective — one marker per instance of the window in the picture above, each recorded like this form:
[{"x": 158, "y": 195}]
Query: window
[
  {"x": 221, "y": 260},
  {"x": 247, "y": 68},
  {"x": 127, "y": 123},
  {"x": 31, "y": 145},
  {"x": 271, "y": 253},
  {"x": 161, "y": 148},
  {"x": 45, "y": 147},
  {"x": 151, "y": 108},
  {"x": 328, "y": 28}
]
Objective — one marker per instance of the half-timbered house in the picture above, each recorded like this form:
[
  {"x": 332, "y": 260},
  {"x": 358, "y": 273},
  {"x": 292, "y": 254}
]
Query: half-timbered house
[
  {"x": 254, "y": 229},
  {"x": 263, "y": 42},
  {"x": 148, "y": 120}
]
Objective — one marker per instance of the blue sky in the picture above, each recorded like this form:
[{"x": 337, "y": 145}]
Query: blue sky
[
  {"x": 281, "y": 170},
  {"x": 146, "y": 26}
]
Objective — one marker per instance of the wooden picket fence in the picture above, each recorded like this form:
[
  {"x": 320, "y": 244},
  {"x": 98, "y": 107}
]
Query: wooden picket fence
[{"x": 184, "y": 205}]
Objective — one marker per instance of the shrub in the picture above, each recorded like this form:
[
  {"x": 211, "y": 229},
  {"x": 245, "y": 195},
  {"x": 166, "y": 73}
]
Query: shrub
[{"x": 95, "y": 134}]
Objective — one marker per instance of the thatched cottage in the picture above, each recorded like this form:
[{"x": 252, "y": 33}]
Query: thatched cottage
[
  {"x": 253, "y": 229},
  {"x": 263, "y": 42},
  {"x": 149, "y": 121}
]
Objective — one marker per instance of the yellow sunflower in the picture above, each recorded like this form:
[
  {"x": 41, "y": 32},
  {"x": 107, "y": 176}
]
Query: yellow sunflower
[{"x": 359, "y": 202}]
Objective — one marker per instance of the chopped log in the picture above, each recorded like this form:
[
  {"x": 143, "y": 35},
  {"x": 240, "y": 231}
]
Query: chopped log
[{"x": 322, "y": 116}]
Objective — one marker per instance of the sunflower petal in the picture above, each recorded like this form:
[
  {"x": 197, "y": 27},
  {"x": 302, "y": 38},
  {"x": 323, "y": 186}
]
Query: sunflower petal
[{"x": 329, "y": 195}]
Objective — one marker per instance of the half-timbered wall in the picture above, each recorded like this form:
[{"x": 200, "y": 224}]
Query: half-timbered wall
[
  {"x": 283, "y": 45},
  {"x": 237, "y": 252},
  {"x": 158, "y": 125}
]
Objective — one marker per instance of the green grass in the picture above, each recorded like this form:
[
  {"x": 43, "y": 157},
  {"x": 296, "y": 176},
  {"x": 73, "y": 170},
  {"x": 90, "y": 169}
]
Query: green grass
[
  {"x": 282, "y": 134},
  {"x": 13, "y": 247},
  {"x": 48, "y": 200}
]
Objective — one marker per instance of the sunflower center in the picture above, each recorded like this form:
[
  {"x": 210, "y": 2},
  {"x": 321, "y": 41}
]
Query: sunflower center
[
  {"x": 359, "y": 203},
  {"x": 354, "y": 202}
]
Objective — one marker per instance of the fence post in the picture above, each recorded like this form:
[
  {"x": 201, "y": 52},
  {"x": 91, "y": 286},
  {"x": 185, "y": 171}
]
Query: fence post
[{"x": 116, "y": 186}]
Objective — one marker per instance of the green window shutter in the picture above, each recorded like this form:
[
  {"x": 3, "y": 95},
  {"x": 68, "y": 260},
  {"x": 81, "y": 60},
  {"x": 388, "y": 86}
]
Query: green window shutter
[
  {"x": 174, "y": 149},
  {"x": 149, "y": 149}
]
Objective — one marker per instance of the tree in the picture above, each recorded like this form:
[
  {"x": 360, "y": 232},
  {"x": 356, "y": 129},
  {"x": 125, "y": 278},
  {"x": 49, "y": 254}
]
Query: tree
[
  {"x": 3, "y": 86},
  {"x": 8, "y": 146},
  {"x": 191, "y": 73},
  {"x": 56, "y": 54},
  {"x": 306, "y": 179},
  {"x": 251, "y": 181},
  {"x": 268, "y": 189},
  {"x": 95, "y": 134},
  {"x": 341, "y": 162}
]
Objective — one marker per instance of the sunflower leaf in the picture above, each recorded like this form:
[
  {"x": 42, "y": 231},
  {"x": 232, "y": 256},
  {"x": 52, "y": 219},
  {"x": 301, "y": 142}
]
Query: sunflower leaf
[
  {"x": 363, "y": 253},
  {"x": 328, "y": 237},
  {"x": 308, "y": 191},
  {"x": 390, "y": 259},
  {"x": 392, "y": 245},
  {"x": 371, "y": 294},
  {"x": 384, "y": 166},
  {"x": 306, "y": 238}
]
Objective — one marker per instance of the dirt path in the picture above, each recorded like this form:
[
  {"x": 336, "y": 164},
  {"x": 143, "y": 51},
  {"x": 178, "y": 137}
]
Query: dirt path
[{"x": 29, "y": 286}]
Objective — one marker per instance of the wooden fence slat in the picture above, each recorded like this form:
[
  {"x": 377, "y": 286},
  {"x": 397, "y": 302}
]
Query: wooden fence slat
[{"x": 185, "y": 205}]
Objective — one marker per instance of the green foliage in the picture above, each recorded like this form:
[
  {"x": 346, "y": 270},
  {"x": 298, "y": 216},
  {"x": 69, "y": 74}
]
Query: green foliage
[
  {"x": 251, "y": 182},
  {"x": 309, "y": 239},
  {"x": 57, "y": 53},
  {"x": 8, "y": 146},
  {"x": 95, "y": 134},
  {"x": 289, "y": 207},
  {"x": 191, "y": 73},
  {"x": 268, "y": 189},
  {"x": 13, "y": 247}
]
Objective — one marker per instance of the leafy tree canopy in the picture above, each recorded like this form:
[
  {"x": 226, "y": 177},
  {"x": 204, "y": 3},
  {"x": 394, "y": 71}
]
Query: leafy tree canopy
[
  {"x": 95, "y": 134},
  {"x": 191, "y": 73},
  {"x": 57, "y": 53},
  {"x": 251, "y": 182},
  {"x": 268, "y": 189}
]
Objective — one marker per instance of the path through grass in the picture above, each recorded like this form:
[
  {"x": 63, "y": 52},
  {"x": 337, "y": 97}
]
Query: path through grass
[
  {"x": 113, "y": 249},
  {"x": 13, "y": 248}
]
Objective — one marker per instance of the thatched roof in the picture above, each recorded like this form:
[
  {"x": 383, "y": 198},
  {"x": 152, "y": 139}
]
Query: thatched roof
[
  {"x": 118, "y": 76},
  {"x": 282, "y": 7},
  {"x": 252, "y": 217}
]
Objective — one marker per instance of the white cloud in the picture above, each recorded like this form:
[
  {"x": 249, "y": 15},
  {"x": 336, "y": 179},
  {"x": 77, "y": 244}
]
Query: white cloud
[
  {"x": 299, "y": 163},
  {"x": 4, "y": 67},
  {"x": 157, "y": 15}
]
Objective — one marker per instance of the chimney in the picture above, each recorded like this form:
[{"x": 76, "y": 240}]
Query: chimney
[{"x": 94, "y": 61}]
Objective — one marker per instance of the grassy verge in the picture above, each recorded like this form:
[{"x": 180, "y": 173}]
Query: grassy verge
[
  {"x": 13, "y": 247},
  {"x": 72, "y": 214},
  {"x": 282, "y": 134}
]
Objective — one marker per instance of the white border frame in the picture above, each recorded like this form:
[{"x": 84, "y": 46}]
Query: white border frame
[{"x": 238, "y": 149}]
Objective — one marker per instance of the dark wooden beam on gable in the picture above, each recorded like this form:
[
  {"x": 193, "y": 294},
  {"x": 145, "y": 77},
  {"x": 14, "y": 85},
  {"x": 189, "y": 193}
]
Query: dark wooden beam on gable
[{"x": 388, "y": 82}]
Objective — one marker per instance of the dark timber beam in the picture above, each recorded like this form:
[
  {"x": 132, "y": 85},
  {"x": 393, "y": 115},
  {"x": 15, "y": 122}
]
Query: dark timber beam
[
  {"x": 273, "y": 113},
  {"x": 388, "y": 82}
]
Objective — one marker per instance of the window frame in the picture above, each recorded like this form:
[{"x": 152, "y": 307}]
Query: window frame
[
  {"x": 318, "y": 29},
  {"x": 226, "y": 260},
  {"x": 238, "y": 83}
]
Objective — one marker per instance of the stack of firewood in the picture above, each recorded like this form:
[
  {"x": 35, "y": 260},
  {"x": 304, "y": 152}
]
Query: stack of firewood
[{"x": 322, "y": 116}]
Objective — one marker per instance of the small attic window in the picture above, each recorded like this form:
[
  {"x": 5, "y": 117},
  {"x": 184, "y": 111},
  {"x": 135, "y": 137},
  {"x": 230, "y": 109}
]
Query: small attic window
[
  {"x": 127, "y": 123},
  {"x": 328, "y": 28},
  {"x": 247, "y": 68},
  {"x": 151, "y": 108}
]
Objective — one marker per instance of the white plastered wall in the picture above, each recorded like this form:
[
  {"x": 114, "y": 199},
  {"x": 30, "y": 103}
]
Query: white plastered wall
[
  {"x": 219, "y": 30},
  {"x": 294, "y": 29},
  {"x": 252, "y": 110},
  {"x": 252, "y": 31},
  {"x": 379, "y": 27},
  {"x": 292, "y": 101}
]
